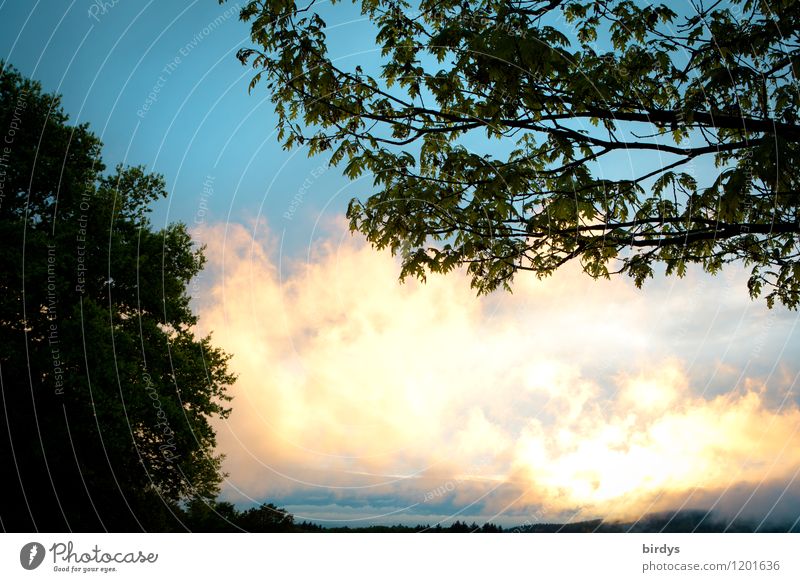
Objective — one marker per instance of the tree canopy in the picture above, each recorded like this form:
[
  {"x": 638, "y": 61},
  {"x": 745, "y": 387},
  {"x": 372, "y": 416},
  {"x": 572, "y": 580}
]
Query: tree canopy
[
  {"x": 507, "y": 135},
  {"x": 107, "y": 393}
]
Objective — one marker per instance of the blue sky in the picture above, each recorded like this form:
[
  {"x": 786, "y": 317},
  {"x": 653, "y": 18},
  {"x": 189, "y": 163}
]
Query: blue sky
[{"x": 160, "y": 84}]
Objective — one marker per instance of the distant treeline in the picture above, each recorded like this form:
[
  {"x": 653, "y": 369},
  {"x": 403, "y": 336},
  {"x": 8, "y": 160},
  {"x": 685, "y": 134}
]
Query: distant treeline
[
  {"x": 224, "y": 517},
  {"x": 455, "y": 527}
]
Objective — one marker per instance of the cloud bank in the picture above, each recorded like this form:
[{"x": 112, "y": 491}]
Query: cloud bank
[{"x": 570, "y": 398}]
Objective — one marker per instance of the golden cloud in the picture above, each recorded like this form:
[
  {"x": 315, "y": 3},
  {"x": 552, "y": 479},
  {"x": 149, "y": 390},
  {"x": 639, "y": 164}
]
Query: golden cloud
[
  {"x": 565, "y": 391},
  {"x": 617, "y": 457}
]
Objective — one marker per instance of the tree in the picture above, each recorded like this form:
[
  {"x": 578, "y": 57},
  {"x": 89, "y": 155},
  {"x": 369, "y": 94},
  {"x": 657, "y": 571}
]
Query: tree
[
  {"x": 620, "y": 134},
  {"x": 107, "y": 393},
  {"x": 266, "y": 518},
  {"x": 212, "y": 517}
]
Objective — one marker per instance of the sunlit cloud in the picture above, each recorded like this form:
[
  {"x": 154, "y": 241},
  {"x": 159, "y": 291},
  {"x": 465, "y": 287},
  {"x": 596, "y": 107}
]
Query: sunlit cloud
[
  {"x": 569, "y": 397},
  {"x": 654, "y": 437}
]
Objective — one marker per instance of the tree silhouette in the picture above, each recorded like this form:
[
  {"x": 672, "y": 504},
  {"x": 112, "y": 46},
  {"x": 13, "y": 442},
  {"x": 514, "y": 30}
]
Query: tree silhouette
[
  {"x": 107, "y": 392},
  {"x": 620, "y": 134},
  {"x": 206, "y": 516},
  {"x": 266, "y": 518}
]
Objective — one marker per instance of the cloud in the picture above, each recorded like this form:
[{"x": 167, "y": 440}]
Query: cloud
[
  {"x": 569, "y": 397},
  {"x": 654, "y": 437}
]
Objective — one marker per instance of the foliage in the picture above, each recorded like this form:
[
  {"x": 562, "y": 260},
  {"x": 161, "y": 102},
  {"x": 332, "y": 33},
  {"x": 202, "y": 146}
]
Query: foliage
[
  {"x": 635, "y": 135},
  {"x": 106, "y": 390},
  {"x": 266, "y": 517},
  {"x": 221, "y": 516}
]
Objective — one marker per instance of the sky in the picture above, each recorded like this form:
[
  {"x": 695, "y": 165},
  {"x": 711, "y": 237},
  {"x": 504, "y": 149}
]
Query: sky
[{"x": 363, "y": 400}]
